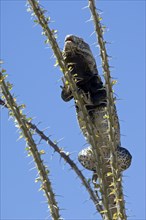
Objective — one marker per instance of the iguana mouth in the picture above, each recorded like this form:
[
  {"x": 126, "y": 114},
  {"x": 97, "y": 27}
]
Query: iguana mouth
[
  {"x": 69, "y": 46},
  {"x": 69, "y": 39}
]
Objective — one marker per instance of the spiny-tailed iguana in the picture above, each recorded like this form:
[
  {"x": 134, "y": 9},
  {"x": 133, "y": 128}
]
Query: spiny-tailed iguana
[{"x": 82, "y": 65}]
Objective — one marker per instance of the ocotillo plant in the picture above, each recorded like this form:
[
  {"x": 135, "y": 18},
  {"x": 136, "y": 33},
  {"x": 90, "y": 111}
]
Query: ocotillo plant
[{"x": 109, "y": 200}]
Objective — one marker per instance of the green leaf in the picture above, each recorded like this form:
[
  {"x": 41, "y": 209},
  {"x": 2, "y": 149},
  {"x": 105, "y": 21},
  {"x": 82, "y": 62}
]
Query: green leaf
[
  {"x": 112, "y": 192},
  {"x": 29, "y": 154},
  {"x": 114, "y": 82},
  {"x": 37, "y": 179},
  {"x": 47, "y": 171},
  {"x": 106, "y": 116},
  {"x": 48, "y": 18},
  {"x": 21, "y": 136},
  {"x": 56, "y": 63},
  {"x": 100, "y": 18},
  {"x": 22, "y": 106},
  {"x": 3, "y": 70},
  {"x": 47, "y": 41},
  {"x": 109, "y": 174},
  {"x": 36, "y": 21},
  {"x": 42, "y": 152},
  {"x": 104, "y": 211},
  {"x": 10, "y": 86},
  {"x": 54, "y": 31}
]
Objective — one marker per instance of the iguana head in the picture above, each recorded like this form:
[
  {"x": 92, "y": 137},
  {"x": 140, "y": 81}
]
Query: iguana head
[
  {"x": 76, "y": 47},
  {"x": 82, "y": 66}
]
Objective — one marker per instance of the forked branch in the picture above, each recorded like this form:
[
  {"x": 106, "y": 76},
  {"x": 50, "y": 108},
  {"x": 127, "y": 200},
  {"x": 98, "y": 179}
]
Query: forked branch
[{"x": 63, "y": 154}]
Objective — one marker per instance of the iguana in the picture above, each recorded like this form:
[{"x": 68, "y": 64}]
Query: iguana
[{"x": 82, "y": 65}]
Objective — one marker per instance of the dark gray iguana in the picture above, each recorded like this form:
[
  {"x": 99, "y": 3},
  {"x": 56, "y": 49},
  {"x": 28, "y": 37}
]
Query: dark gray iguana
[{"x": 82, "y": 65}]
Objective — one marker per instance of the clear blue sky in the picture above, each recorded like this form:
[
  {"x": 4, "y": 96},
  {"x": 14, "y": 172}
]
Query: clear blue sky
[{"x": 37, "y": 84}]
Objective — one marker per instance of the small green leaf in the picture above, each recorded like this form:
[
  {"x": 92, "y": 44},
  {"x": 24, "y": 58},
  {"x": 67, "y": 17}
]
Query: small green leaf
[
  {"x": 48, "y": 18},
  {"x": 54, "y": 31},
  {"x": 41, "y": 188},
  {"x": 104, "y": 211},
  {"x": 112, "y": 184},
  {"x": 114, "y": 82},
  {"x": 36, "y": 21},
  {"x": 106, "y": 116},
  {"x": 42, "y": 152},
  {"x": 29, "y": 9},
  {"x": 2, "y": 78},
  {"x": 29, "y": 154},
  {"x": 22, "y": 106},
  {"x": 29, "y": 119},
  {"x": 66, "y": 82},
  {"x": 100, "y": 18},
  {"x": 10, "y": 86},
  {"x": 3, "y": 70},
  {"x": 37, "y": 179},
  {"x": 47, "y": 41},
  {"x": 109, "y": 174},
  {"x": 21, "y": 136},
  {"x": 56, "y": 64},
  {"x": 112, "y": 192},
  {"x": 47, "y": 171},
  {"x": 97, "y": 186}
]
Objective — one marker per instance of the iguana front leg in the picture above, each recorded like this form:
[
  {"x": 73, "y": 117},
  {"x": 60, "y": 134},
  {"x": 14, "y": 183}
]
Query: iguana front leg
[{"x": 66, "y": 93}]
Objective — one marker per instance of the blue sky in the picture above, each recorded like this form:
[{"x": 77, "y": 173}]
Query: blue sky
[{"x": 36, "y": 81}]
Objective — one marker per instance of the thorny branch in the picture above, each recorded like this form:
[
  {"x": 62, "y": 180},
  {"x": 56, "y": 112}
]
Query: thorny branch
[
  {"x": 119, "y": 213},
  {"x": 42, "y": 171}
]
